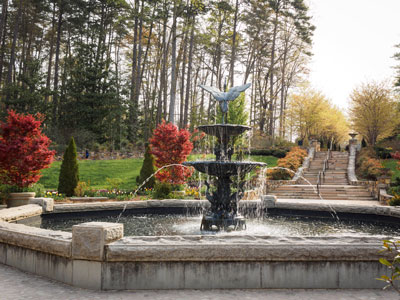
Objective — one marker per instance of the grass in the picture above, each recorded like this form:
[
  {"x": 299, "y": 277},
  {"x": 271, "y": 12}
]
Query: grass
[
  {"x": 392, "y": 165},
  {"x": 271, "y": 161},
  {"x": 97, "y": 171}
]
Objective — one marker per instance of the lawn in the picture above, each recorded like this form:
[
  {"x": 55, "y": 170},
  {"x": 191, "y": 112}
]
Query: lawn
[
  {"x": 392, "y": 165},
  {"x": 97, "y": 171}
]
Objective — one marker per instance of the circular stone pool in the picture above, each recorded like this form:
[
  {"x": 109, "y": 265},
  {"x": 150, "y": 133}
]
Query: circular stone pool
[{"x": 175, "y": 224}]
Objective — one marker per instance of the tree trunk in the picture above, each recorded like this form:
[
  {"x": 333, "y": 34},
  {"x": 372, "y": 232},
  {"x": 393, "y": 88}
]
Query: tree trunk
[
  {"x": 271, "y": 80},
  {"x": 12, "y": 52},
  {"x": 182, "y": 102},
  {"x": 56, "y": 66},
  {"x": 189, "y": 72},
  {"x": 233, "y": 53},
  {"x": 173, "y": 68},
  {"x": 138, "y": 81},
  {"x": 3, "y": 31},
  {"x": 132, "y": 105},
  {"x": 162, "y": 109},
  {"x": 51, "y": 53}
]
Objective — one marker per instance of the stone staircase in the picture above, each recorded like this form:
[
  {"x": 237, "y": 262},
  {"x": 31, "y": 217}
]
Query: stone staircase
[
  {"x": 335, "y": 186},
  {"x": 336, "y": 174}
]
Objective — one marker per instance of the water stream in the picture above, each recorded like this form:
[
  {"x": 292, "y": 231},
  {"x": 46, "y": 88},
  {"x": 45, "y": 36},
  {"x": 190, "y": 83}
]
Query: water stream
[
  {"x": 144, "y": 182},
  {"x": 262, "y": 181}
]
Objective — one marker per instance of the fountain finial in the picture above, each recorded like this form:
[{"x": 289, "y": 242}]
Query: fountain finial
[{"x": 224, "y": 97}]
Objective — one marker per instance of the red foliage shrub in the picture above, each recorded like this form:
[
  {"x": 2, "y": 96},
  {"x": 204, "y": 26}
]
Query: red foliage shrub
[
  {"x": 368, "y": 165},
  {"x": 169, "y": 145},
  {"x": 396, "y": 155},
  {"x": 371, "y": 168},
  {"x": 292, "y": 161},
  {"x": 23, "y": 150}
]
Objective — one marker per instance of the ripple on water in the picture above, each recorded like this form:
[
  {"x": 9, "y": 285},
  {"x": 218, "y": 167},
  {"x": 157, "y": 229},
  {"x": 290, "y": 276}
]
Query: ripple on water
[{"x": 155, "y": 225}]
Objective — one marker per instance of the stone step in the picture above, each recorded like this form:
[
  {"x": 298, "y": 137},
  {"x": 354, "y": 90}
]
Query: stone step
[
  {"x": 332, "y": 188},
  {"x": 344, "y": 187},
  {"x": 326, "y": 181},
  {"x": 318, "y": 198},
  {"x": 324, "y": 197},
  {"x": 330, "y": 192}
]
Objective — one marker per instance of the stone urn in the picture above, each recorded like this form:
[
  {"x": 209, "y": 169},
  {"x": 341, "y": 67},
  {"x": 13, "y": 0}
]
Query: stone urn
[{"x": 18, "y": 199}]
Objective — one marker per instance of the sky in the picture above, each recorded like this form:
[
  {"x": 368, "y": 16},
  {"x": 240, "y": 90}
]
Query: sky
[{"x": 353, "y": 43}]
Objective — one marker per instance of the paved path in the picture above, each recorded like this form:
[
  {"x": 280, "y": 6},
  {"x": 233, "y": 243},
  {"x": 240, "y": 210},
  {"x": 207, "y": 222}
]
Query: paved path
[{"x": 17, "y": 285}]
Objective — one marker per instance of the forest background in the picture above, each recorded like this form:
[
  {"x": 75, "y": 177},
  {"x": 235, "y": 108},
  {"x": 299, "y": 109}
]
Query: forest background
[{"x": 109, "y": 71}]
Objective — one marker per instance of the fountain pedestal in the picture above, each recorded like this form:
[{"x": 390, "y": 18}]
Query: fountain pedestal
[{"x": 224, "y": 193}]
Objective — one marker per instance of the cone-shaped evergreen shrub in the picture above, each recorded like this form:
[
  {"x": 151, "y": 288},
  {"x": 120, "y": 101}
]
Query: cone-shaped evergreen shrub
[
  {"x": 363, "y": 143},
  {"x": 69, "y": 172},
  {"x": 147, "y": 170}
]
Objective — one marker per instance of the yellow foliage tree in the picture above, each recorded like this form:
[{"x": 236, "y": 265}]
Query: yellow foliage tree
[
  {"x": 310, "y": 113},
  {"x": 373, "y": 111}
]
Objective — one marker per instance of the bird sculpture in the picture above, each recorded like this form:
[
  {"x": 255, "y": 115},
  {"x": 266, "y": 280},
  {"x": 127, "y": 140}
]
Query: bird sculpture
[{"x": 224, "y": 97}]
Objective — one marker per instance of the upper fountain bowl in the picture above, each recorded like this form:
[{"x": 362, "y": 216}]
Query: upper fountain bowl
[
  {"x": 224, "y": 168},
  {"x": 222, "y": 131}
]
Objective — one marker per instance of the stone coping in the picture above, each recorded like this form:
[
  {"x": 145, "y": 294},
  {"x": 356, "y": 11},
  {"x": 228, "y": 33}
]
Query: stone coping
[
  {"x": 244, "y": 248},
  {"x": 20, "y": 212},
  {"x": 45, "y": 240},
  {"x": 343, "y": 206},
  {"x": 76, "y": 207}
]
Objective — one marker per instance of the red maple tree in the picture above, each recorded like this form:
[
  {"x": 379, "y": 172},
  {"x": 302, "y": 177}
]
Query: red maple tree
[
  {"x": 23, "y": 150},
  {"x": 169, "y": 145}
]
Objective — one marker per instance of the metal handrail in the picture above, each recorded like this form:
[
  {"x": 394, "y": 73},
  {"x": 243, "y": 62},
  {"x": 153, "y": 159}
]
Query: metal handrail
[
  {"x": 319, "y": 182},
  {"x": 321, "y": 174}
]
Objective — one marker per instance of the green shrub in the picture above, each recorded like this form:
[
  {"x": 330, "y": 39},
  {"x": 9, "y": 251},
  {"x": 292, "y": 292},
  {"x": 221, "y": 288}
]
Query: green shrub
[
  {"x": 392, "y": 276},
  {"x": 383, "y": 153},
  {"x": 162, "y": 190},
  {"x": 395, "y": 201},
  {"x": 147, "y": 170},
  {"x": 69, "y": 172},
  {"x": 277, "y": 152},
  {"x": 39, "y": 189},
  {"x": 394, "y": 190},
  {"x": 81, "y": 189},
  {"x": 363, "y": 143},
  {"x": 113, "y": 183},
  {"x": 177, "y": 187}
]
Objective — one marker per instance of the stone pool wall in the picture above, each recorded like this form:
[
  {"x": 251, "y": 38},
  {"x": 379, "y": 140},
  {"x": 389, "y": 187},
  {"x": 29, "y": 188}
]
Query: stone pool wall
[{"x": 97, "y": 256}]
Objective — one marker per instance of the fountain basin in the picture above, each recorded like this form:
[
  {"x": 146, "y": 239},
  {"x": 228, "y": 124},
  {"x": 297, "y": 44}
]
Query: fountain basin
[
  {"x": 224, "y": 131},
  {"x": 224, "y": 168},
  {"x": 97, "y": 256}
]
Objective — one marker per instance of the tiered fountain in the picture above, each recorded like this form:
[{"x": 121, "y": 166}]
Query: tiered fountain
[{"x": 228, "y": 185}]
